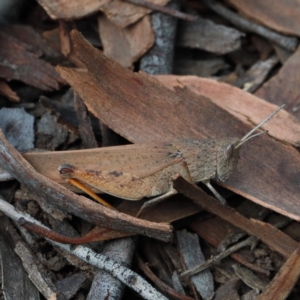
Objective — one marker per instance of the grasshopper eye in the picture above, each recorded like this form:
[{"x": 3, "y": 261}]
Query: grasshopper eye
[{"x": 229, "y": 151}]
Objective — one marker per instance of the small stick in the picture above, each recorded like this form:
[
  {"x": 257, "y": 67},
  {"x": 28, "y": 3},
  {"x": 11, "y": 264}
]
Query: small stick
[
  {"x": 214, "y": 260},
  {"x": 54, "y": 236},
  {"x": 286, "y": 42},
  {"x": 164, "y": 287},
  {"x": 163, "y": 9}
]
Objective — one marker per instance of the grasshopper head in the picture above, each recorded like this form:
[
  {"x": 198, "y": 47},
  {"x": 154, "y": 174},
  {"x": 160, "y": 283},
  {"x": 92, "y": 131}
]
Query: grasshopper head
[
  {"x": 229, "y": 148},
  {"x": 227, "y": 157}
]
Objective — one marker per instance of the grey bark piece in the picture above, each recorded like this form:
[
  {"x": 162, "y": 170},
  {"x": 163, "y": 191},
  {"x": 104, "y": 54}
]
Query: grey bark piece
[
  {"x": 15, "y": 282},
  {"x": 69, "y": 286},
  {"x": 202, "y": 68},
  {"x": 287, "y": 42},
  {"x": 177, "y": 284},
  {"x": 159, "y": 60},
  {"x": 228, "y": 290},
  {"x": 104, "y": 285},
  {"x": 17, "y": 125},
  {"x": 206, "y": 35},
  {"x": 192, "y": 255},
  {"x": 50, "y": 134},
  {"x": 256, "y": 75},
  {"x": 249, "y": 278}
]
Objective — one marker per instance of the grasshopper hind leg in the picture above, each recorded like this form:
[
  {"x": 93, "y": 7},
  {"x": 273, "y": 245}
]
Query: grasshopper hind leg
[{"x": 182, "y": 170}]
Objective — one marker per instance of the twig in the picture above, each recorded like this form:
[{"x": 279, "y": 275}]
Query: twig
[
  {"x": 289, "y": 43},
  {"x": 217, "y": 258},
  {"x": 274, "y": 238},
  {"x": 148, "y": 272},
  {"x": 80, "y": 206},
  {"x": 125, "y": 275},
  {"x": 163, "y": 9}
]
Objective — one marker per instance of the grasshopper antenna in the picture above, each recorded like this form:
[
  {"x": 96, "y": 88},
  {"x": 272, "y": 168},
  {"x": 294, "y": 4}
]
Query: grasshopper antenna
[{"x": 248, "y": 136}]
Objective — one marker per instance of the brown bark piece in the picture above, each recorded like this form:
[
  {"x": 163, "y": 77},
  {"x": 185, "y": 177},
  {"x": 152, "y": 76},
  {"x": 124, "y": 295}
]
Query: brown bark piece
[
  {"x": 69, "y": 10},
  {"x": 124, "y": 14},
  {"x": 20, "y": 64},
  {"x": 143, "y": 110},
  {"x": 284, "y": 87},
  {"x": 32, "y": 40},
  {"x": 126, "y": 45},
  {"x": 285, "y": 279},
  {"x": 282, "y": 16},
  {"x": 246, "y": 107}
]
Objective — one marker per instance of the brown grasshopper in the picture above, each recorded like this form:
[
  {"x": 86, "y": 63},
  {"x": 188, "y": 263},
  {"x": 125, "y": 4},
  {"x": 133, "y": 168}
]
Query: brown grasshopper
[{"x": 147, "y": 170}]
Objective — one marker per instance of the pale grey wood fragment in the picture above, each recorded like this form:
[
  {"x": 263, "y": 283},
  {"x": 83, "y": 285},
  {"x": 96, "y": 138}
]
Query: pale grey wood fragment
[{"x": 190, "y": 250}]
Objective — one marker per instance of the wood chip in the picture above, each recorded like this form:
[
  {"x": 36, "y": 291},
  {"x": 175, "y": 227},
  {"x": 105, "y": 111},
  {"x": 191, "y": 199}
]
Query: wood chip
[
  {"x": 249, "y": 278},
  {"x": 209, "y": 36},
  {"x": 191, "y": 253},
  {"x": 20, "y": 64},
  {"x": 126, "y": 45},
  {"x": 17, "y": 126},
  {"x": 283, "y": 87}
]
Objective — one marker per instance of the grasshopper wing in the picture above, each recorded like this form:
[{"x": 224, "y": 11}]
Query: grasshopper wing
[{"x": 130, "y": 172}]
